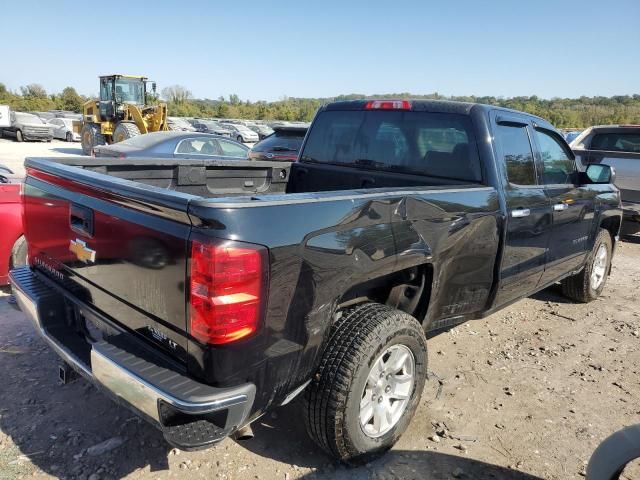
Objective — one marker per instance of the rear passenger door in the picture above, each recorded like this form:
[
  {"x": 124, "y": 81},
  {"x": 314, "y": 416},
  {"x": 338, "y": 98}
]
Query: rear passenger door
[
  {"x": 528, "y": 224},
  {"x": 573, "y": 205}
]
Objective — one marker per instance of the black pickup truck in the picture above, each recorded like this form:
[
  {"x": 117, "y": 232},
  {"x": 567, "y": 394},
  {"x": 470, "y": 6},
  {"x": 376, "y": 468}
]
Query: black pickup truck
[{"x": 202, "y": 293}]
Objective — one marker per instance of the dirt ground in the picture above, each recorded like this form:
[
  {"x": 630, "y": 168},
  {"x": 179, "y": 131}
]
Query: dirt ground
[{"x": 527, "y": 393}]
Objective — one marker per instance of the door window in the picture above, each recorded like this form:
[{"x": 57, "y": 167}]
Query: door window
[
  {"x": 230, "y": 149},
  {"x": 517, "y": 153},
  {"x": 557, "y": 164},
  {"x": 198, "y": 146}
]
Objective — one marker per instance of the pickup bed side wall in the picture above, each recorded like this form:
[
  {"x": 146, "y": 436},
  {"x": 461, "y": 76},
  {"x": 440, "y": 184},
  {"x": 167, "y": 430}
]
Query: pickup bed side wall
[{"x": 328, "y": 243}]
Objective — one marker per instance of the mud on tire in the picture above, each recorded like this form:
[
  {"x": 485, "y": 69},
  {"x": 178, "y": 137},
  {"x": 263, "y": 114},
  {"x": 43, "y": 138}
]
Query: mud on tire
[{"x": 332, "y": 401}]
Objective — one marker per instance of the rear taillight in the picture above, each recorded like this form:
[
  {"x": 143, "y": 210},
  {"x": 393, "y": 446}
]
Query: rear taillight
[
  {"x": 388, "y": 105},
  {"x": 226, "y": 290}
]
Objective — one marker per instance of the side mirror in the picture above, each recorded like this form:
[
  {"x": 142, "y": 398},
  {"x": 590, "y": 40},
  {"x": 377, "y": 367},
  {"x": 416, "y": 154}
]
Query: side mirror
[{"x": 600, "y": 173}]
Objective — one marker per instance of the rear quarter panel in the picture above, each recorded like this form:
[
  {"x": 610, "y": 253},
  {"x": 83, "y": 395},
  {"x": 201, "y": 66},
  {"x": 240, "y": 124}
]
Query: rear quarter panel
[
  {"x": 11, "y": 221},
  {"x": 323, "y": 244}
]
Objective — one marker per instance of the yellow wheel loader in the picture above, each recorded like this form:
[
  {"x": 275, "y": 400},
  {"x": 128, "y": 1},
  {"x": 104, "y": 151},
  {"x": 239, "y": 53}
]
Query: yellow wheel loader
[{"x": 120, "y": 113}]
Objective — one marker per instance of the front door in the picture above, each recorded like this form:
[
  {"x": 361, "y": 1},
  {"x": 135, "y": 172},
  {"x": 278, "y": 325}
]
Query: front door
[
  {"x": 528, "y": 225},
  {"x": 573, "y": 205}
]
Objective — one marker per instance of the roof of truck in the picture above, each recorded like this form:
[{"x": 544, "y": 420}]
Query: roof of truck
[{"x": 436, "y": 106}]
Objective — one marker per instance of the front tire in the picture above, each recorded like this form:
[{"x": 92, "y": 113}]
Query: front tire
[
  {"x": 240, "y": 139},
  {"x": 587, "y": 285},
  {"x": 91, "y": 137},
  {"x": 19, "y": 136},
  {"x": 69, "y": 137},
  {"x": 368, "y": 384},
  {"x": 124, "y": 131}
]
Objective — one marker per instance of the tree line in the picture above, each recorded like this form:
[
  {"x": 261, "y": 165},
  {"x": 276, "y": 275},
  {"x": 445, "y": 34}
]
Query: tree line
[{"x": 561, "y": 112}]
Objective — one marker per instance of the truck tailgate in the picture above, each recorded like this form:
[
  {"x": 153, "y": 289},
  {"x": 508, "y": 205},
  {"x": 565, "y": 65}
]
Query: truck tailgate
[{"x": 118, "y": 247}]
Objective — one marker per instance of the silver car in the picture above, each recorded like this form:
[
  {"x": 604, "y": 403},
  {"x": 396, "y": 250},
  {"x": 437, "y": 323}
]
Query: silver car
[
  {"x": 619, "y": 147},
  {"x": 63, "y": 129},
  {"x": 242, "y": 133}
]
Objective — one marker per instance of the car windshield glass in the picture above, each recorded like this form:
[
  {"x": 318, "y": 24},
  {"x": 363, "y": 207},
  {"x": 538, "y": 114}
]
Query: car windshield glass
[
  {"x": 28, "y": 118},
  {"x": 279, "y": 141},
  {"x": 180, "y": 122},
  {"x": 423, "y": 143},
  {"x": 145, "y": 141},
  {"x": 130, "y": 91}
]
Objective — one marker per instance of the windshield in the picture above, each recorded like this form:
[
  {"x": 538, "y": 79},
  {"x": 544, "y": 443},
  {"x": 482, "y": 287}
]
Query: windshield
[
  {"x": 180, "y": 122},
  {"x": 213, "y": 125},
  {"x": 422, "y": 143},
  {"x": 280, "y": 141},
  {"x": 28, "y": 118},
  {"x": 130, "y": 91}
]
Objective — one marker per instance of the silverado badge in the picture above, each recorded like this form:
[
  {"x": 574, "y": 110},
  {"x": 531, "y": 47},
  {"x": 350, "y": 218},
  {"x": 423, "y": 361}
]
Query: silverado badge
[{"x": 80, "y": 249}]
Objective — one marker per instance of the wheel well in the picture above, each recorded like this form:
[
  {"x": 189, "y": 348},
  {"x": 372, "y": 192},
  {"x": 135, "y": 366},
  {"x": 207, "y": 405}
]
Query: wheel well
[
  {"x": 408, "y": 290},
  {"x": 611, "y": 225}
]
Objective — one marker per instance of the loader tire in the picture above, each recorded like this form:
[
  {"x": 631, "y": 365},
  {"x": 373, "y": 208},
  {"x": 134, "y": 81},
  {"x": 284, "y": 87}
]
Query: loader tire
[
  {"x": 124, "y": 131},
  {"x": 91, "y": 137}
]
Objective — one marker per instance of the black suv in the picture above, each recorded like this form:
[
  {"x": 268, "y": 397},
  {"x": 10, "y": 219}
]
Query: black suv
[{"x": 283, "y": 144}]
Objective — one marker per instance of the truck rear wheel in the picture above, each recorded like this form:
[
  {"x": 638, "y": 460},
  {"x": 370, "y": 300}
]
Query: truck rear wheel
[
  {"x": 91, "y": 137},
  {"x": 125, "y": 130},
  {"x": 587, "y": 285},
  {"x": 369, "y": 382}
]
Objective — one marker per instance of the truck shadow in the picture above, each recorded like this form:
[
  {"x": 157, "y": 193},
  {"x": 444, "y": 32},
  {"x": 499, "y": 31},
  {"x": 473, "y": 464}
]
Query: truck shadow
[{"x": 273, "y": 440}]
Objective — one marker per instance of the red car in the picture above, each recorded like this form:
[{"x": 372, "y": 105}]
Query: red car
[{"x": 13, "y": 248}]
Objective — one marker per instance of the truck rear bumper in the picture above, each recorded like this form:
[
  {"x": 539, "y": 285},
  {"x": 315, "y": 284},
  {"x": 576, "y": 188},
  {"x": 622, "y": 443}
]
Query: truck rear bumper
[{"x": 191, "y": 415}]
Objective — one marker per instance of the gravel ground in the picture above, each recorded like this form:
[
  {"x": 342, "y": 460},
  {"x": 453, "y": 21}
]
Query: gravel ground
[
  {"x": 12, "y": 153},
  {"x": 527, "y": 393}
]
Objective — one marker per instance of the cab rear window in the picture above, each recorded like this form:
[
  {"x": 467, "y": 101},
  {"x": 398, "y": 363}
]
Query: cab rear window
[
  {"x": 617, "y": 142},
  {"x": 422, "y": 143}
]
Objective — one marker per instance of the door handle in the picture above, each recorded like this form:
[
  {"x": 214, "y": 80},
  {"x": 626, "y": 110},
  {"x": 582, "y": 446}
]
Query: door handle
[
  {"x": 559, "y": 207},
  {"x": 520, "y": 212}
]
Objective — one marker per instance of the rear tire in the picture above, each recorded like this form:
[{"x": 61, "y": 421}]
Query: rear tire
[
  {"x": 19, "y": 136},
  {"x": 587, "y": 285},
  {"x": 124, "y": 131},
  {"x": 91, "y": 137},
  {"x": 357, "y": 404}
]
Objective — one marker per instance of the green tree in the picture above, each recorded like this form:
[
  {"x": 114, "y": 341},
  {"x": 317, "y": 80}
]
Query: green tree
[{"x": 69, "y": 100}]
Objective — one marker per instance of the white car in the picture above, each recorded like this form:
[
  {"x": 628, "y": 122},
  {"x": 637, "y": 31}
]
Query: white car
[
  {"x": 242, "y": 133},
  {"x": 63, "y": 128}
]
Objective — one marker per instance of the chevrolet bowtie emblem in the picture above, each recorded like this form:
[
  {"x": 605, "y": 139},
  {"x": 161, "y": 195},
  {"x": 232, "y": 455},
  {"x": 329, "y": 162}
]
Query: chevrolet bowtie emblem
[{"x": 80, "y": 249}]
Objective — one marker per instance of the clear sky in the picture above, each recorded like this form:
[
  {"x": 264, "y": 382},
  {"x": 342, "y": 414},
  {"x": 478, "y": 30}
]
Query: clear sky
[{"x": 265, "y": 50}]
